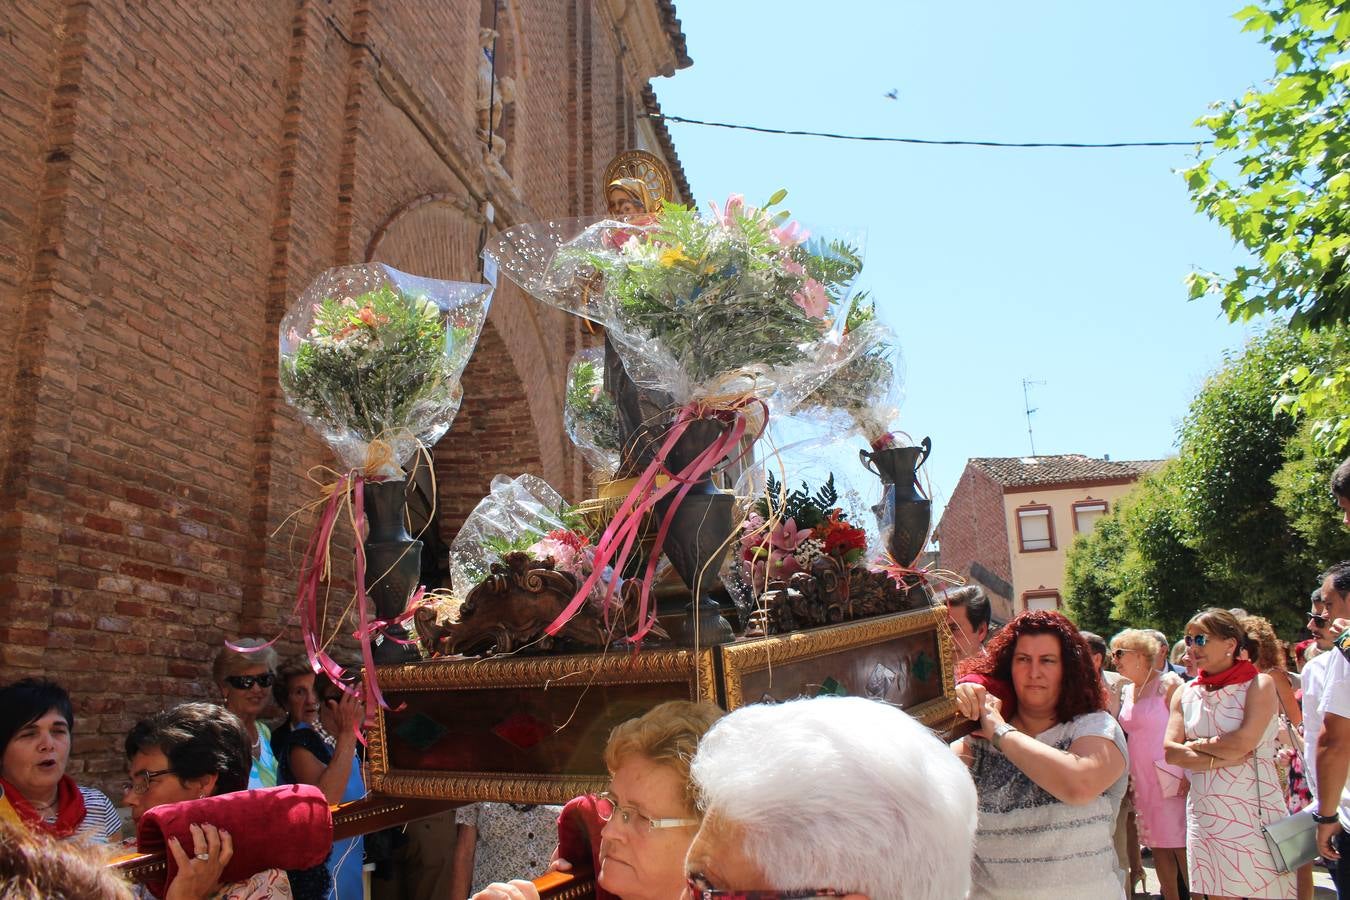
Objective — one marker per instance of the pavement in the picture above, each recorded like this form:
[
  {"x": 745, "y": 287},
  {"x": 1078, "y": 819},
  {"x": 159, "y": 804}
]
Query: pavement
[{"x": 1323, "y": 888}]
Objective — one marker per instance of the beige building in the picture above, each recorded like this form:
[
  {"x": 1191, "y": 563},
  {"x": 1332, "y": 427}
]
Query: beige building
[{"x": 1011, "y": 521}]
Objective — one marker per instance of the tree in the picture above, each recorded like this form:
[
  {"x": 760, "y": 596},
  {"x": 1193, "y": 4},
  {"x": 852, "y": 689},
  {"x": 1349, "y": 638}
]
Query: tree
[
  {"x": 1241, "y": 517},
  {"x": 1092, "y": 575},
  {"x": 1279, "y": 180}
]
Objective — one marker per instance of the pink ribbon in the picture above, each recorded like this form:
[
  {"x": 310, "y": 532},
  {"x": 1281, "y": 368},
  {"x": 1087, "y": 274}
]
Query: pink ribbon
[
  {"x": 312, "y": 567},
  {"x": 616, "y": 544}
]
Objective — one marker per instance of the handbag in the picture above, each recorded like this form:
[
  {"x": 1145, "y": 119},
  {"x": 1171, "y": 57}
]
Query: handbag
[{"x": 1293, "y": 839}]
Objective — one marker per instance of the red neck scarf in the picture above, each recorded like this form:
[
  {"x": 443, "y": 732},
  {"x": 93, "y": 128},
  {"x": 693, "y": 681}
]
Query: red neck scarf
[
  {"x": 69, "y": 808},
  {"x": 1239, "y": 672}
]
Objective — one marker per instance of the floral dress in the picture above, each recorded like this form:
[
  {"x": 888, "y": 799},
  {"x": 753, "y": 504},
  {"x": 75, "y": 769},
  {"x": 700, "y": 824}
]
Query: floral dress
[{"x": 1226, "y": 807}]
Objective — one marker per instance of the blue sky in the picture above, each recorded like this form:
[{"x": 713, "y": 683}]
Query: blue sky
[{"x": 992, "y": 265}]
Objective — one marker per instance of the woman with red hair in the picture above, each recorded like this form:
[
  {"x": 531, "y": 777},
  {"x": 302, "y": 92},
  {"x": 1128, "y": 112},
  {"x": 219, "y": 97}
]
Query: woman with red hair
[{"x": 1051, "y": 775}]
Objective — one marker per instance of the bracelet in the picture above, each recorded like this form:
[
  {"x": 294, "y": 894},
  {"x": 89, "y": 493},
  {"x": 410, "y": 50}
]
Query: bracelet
[
  {"x": 1325, "y": 820},
  {"x": 999, "y": 732}
]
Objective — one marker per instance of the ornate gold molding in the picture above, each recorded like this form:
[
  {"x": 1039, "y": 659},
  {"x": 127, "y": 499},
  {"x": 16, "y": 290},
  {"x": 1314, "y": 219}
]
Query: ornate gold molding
[
  {"x": 612, "y": 667},
  {"x": 515, "y": 787},
  {"x": 753, "y": 656}
]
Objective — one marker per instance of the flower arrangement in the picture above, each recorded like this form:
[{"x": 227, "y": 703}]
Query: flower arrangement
[
  {"x": 696, "y": 300},
  {"x": 371, "y": 353},
  {"x": 865, "y": 389},
  {"x": 806, "y": 525},
  {"x": 589, "y": 414}
]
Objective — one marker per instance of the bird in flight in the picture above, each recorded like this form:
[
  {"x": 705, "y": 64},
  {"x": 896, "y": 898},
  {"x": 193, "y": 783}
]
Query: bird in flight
[{"x": 893, "y": 94}]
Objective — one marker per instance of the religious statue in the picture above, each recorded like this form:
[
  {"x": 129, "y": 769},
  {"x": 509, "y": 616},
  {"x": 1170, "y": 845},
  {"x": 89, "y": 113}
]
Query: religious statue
[{"x": 493, "y": 92}]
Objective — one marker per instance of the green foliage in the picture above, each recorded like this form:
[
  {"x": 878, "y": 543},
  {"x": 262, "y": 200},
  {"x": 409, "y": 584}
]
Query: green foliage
[
  {"x": 590, "y": 410},
  {"x": 805, "y": 508},
  {"x": 374, "y": 363},
  {"x": 1242, "y": 516},
  {"x": 1093, "y": 577},
  {"x": 1279, "y": 182}
]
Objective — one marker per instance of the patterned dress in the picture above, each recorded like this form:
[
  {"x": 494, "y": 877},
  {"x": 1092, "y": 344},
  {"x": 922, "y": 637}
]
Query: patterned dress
[{"x": 1226, "y": 807}]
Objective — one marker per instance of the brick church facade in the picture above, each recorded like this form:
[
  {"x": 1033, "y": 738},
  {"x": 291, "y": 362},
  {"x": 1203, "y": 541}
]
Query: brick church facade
[{"x": 172, "y": 176}]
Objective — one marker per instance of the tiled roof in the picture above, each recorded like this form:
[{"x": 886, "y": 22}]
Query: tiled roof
[
  {"x": 1024, "y": 471},
  {"x": 653, "y": 109},
  {"x": 675, "y": 32}
]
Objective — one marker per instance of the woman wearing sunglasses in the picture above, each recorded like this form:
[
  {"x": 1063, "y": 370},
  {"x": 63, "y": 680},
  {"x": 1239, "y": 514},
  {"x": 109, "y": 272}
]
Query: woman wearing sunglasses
[
  {"x": 1157, "y": 787},
  {"x": 245, "y": 681},
  {"x": 637, "y": 833},
  {"x": 1222, "y": 729}
]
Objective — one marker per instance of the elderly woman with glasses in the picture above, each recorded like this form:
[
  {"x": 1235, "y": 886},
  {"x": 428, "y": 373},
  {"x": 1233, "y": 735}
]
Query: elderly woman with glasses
[
  {"x": 1157, "y": 787},
  {"x": 638, "y": 832},
  {"x": 1222, "y": 730},
  {"x": 245, "y": 681}
]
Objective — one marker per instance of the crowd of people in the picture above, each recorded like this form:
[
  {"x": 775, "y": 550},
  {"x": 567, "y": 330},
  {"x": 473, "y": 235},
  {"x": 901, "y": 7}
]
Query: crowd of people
[{"x": 1084, "y": 755}]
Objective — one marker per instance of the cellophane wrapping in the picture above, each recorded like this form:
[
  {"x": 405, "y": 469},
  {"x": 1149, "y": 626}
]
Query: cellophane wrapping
[
  {"x": 704, "y": 307},
  {"x": 521, "y": 514},
  {"x": 369, "y": 352},
  {"x": 862, "y": 396},
  {"x": 589, "y": 414}
]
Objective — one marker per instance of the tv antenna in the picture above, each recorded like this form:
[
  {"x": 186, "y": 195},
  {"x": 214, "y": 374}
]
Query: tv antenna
[{"x": 1026, "y": 405}]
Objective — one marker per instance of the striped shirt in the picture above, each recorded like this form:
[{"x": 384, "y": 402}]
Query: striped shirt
[{"x": 102, "y": 823}]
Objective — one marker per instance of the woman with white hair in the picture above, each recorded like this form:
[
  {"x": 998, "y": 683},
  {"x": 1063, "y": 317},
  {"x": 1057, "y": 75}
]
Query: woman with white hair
[{"x": 837, "y": 795}]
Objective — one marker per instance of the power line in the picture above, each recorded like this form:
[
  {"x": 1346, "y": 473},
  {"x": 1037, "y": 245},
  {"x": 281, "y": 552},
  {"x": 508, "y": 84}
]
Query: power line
[{"x": 1078, "y": 145}]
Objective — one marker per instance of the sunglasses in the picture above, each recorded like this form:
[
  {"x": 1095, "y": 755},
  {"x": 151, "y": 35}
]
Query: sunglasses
[
  {"x": 702, "y": 889},
  {"x": 1319, "y": 621},
  {"x": 244, "y": 682},
  {"x": 1118, "y": 653},
  {"x": 1198, "y": 640}
]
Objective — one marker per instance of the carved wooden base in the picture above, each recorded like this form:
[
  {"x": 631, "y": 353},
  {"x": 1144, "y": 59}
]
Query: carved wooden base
[{"x": 826, "y": 595}]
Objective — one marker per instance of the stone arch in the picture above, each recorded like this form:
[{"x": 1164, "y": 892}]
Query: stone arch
[{"x": 498, "y": 427}]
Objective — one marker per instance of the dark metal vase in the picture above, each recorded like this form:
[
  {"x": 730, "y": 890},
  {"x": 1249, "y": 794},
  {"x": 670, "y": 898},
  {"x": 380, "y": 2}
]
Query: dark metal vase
[
  {"x": 699, "y": 539},
  {"x": 393, "y": 564},
  {"x": 903, "y": 515}
]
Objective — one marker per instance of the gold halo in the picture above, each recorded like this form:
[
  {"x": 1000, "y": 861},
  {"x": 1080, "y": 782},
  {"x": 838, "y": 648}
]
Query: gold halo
[{"x": 645, "y": 167}]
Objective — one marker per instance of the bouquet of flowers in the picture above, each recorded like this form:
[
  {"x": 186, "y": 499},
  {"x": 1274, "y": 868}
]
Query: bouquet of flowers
[
  {"x": 371, "y": 354},
  {"x": 521, "y": 514},
  {"x": 788, "y": 530},
  {"x": 589, "y": 414},
  {"x": 729, "y": 316},
  {"x": 865, "y": 390}
]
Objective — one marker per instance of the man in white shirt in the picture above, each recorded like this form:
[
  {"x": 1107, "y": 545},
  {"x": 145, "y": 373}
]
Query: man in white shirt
[
  {"x": 1332, "y": 758},
  {"x": 1313, "y": 678}
]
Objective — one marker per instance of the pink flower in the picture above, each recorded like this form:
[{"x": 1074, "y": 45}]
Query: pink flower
[
  {"x": 790, "y": 235},
  {"x": 812, "y": 298},
  {"x": 787, "y": 536},
  {"x": 735, "y": 205},
  {"x": 792, "y": 267}
]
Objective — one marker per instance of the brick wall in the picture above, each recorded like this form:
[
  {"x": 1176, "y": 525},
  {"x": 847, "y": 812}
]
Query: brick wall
[
  {"x": 171, "y": 177},
  {"x": 973, "y": 532}
]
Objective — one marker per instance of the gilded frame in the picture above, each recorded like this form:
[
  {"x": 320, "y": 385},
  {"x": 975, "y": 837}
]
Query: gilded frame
[
  {"x": 938, "y": 713},
  {"x": 696, "y": 670}
]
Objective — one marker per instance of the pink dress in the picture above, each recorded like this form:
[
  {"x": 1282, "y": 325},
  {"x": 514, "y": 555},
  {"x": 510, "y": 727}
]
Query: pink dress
[
  {"x": 1226, "y": 807},
  {"x": 1162, "y": 820}
]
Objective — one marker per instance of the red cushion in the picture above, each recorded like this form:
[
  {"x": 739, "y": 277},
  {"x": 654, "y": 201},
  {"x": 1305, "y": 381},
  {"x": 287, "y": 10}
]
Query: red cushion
[
  {"x": 579, "y": 828},
  {"x": 286, "y": 827}
]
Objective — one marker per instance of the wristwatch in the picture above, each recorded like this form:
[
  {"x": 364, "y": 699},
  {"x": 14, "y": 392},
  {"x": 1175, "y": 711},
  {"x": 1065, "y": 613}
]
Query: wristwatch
[
  {"x": 999, "y": 732},
  {"x": 1325, "y": 820}
]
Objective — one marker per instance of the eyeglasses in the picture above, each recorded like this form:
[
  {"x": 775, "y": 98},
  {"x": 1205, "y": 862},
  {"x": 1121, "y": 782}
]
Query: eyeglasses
[
  {"x": 702, "y": 889},
  {"x": 1198, "y": 640},
  {"x": 609, "y": 806},
  {"x": 1319, "y": 621},
  {"x": 244, "y": 682},
  {"x": 140, "y": 781}
]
